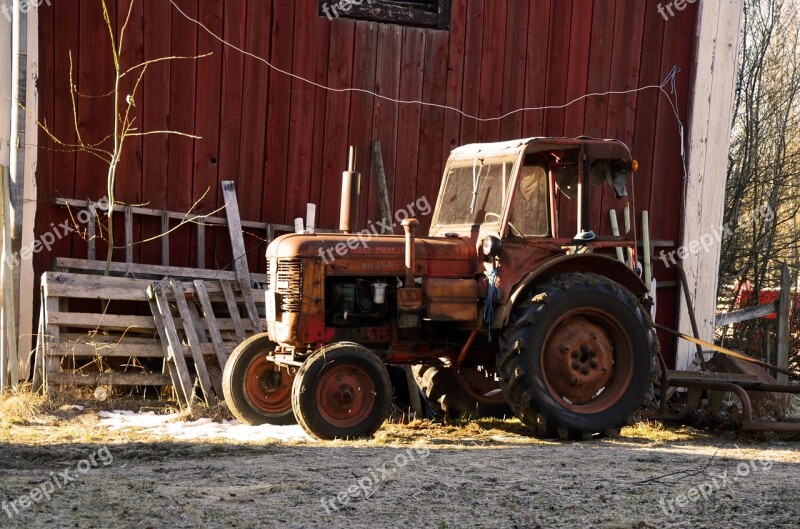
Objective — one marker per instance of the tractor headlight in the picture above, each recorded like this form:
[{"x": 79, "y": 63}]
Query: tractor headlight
[{"x": 491, "y": 247}]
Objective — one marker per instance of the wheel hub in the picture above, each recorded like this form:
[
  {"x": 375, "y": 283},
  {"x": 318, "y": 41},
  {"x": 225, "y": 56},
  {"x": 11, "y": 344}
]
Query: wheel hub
[
  {"x": 345, "y": 396},
  {"x": 267, "y": 389},
  {"x": 578, "y": 360}
]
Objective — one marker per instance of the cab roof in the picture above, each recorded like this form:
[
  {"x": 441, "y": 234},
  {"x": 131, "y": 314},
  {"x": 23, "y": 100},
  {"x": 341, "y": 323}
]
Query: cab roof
[{"x": 598, "y": 148}]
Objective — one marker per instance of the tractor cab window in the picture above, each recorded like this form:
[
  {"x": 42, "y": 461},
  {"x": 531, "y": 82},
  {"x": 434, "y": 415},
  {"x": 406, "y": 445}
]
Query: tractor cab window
[
  {"x": 475, "y": 193},
  {"x": 529, "y": 208}
]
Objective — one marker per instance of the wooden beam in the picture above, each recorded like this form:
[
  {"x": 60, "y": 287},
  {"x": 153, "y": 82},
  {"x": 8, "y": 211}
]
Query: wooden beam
[
  {"x": 708, "y": 138},
  {"x": 239, "y": 252},
  {"x": 751, "y": 313},
  {"x": 164, "y": 239},
  {"x": 201, "y": 245},
  {"x": 190, "y": 331},
  {"x": 84, "y": 286},
  {"x": 128, "y": 350},
  {"x": 5, "y": 285},
  {"x": 233, "y": 308},
  {"x": 91, "y": 234},
  {"x": 784, "y": 305},
  {"x": 383, "y": 191},
  {"x": 162, "y": 314},
  {"x": 156, "y": 271},
  {"x": 112, "y": 379},
  {"x": 211, "y": 319},
  {"x": 9, "y": 307},
  {"x": 128, "y": 235},
  {"x": 117, "y": 322}
]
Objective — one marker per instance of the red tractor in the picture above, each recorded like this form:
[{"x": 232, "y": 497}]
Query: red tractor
[{"x": 498, "y": 309}]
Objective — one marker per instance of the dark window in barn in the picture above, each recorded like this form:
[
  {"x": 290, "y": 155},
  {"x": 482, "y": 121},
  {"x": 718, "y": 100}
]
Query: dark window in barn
[{"x": 422, "y": 13}]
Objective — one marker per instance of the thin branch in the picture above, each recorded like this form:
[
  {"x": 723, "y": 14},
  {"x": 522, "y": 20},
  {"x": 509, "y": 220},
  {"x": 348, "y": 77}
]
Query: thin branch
[
  {"x": 72, "y": 90},
  {"x": 162, "y": 59}
]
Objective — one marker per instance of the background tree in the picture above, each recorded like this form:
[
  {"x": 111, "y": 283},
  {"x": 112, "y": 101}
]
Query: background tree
[{"x": 763, "y": 185}]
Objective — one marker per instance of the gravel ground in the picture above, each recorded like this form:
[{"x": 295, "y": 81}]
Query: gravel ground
[{"x": 419, "y": 475}]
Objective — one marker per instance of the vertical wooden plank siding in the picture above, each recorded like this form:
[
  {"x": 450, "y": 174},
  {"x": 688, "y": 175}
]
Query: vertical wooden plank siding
[{"x": 284, "y": 142}]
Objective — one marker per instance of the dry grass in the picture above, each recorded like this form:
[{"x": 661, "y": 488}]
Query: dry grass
[
  {"x": 217, "y": 413},
  {"x": 656, "y": 432},
  {"x": 22, "y": 407}
]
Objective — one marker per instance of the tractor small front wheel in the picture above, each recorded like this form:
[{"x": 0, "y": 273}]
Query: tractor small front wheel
[
  {"x": 342, "y": 391},
  {"x": 256, "y": 390}
]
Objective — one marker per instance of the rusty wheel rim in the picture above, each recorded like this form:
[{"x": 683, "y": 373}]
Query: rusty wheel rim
[
  {"x": 346, "y": 396},
  {"x": 477, "y": 383},
  {"x": 587, "y": 361},
  {"x": 268, "y": 390}
]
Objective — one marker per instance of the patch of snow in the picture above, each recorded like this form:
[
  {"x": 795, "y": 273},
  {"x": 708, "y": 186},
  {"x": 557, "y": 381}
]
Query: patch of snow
[{"x": 200, "y": 429}]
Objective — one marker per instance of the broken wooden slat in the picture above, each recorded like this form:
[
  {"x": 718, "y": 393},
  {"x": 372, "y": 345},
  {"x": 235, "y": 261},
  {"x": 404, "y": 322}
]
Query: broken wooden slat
[
  {"x": 239, "y": 252},
  {"x": 190, "y": 331},
  {"x": 211, "y": 320},
  {"x": 233, "y": 308},
  {"x": 162, "y": 315}
]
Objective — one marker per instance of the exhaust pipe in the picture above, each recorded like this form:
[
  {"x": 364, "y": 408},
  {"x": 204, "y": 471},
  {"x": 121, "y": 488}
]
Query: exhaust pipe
[
  {"x": 351, "y": 194},
  {"x": 410, "y": 226}
]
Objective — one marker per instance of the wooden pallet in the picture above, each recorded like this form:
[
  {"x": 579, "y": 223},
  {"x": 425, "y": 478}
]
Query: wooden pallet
[{"x": 83, "y": 343}]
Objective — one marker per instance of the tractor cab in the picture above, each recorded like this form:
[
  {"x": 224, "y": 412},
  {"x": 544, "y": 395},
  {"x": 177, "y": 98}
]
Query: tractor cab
[{"x": 537, "y": 189}]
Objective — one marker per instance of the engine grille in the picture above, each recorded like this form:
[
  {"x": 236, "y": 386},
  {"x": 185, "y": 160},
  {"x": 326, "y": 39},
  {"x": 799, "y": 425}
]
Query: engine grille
[{"x": 289, "y": 284}]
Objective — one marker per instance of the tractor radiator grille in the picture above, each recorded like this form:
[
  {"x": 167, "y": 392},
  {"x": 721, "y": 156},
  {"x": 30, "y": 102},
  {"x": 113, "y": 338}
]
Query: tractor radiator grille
[{"x": 289, "y": 284}]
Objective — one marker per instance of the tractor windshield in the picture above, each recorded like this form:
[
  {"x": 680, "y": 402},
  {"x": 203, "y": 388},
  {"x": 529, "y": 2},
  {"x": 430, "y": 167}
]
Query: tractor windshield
[{"x": 474, "y": 193}]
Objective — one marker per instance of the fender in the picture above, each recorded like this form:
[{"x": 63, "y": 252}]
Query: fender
[{"x": 589, "y": 263}]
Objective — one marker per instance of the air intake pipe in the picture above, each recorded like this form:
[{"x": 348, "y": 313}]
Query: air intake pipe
[
  {"x": 351, "y": 194},
  {"x": 410, "y": 226}
]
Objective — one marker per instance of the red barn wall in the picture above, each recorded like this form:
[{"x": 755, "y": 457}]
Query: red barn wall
[{"x": 285, "y": 142}]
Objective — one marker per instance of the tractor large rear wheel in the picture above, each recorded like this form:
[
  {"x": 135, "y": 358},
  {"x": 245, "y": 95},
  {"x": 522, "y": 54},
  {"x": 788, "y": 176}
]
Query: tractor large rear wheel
[
  {"x": 256, "y": 390},
  {"x": 578, "y": 356},
  {"x": 461, "y": 393}
]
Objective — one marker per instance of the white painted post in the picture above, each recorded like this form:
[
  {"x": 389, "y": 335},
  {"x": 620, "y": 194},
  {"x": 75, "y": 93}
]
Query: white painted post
[{"x": 709, "y": 141}]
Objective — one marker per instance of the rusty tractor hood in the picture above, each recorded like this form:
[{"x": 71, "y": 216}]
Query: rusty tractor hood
[{"x": 356, "y": 254}]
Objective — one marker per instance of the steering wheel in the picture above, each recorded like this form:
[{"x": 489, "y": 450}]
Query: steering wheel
[{"x": 510, "y": 225}]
